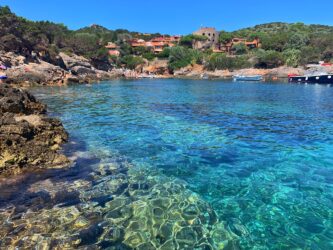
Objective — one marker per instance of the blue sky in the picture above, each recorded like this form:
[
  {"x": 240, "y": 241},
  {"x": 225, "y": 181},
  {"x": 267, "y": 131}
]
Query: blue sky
[{"x": 173, "y": 16}]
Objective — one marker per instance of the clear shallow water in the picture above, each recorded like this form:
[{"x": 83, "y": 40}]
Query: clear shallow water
[{"x": 253, "y": 162}]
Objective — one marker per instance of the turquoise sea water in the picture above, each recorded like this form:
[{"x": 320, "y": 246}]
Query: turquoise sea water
[{"x": 247, "y": 165}]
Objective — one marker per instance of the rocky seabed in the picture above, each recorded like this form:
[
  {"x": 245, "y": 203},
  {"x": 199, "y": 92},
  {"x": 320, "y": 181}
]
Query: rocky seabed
[{"x": 117, "y": 206}]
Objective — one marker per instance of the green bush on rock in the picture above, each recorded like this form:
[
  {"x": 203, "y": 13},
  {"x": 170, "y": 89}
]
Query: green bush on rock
[
  {"x": 269, "y": 59},
  {"x": 132, "y": 62},
  {"x": 292, "y": 57},
  {"x": 222, "y": 61},
  {"x": 181, "y": 57}
]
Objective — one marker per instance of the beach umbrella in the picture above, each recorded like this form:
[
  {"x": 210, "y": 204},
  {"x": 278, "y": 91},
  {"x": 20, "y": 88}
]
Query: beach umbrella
[{"x": 3, "y": 67}]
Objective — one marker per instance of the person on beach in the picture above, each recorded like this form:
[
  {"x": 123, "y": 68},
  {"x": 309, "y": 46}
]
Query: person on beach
[{"x": 3, "y": 75}]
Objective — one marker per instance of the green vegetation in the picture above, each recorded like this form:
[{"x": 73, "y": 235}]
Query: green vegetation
[
  {"x": 240, "y": 49},
  {"x": 165, "y": 53},
  {"x": 22, "y": 36},
  {"x": 222, "y": 61},
  {"x": 269, "y": 59},
  {"x": 298, "y": 43},
  {"x": 292, "y": 57},
  {"x": 132, "y": 62},
  {"x": 181, "y": 57},
  {"x": 149, "y": 56},
  {"x": 225, "y": 37},
  {"x": 189, "y": 40},
  {"x": 141, "y": 51},
  {"x": 281, "y": 44}
]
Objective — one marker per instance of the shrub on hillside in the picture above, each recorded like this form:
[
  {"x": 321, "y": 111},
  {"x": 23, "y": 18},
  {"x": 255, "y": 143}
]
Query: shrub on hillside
[
  {"x": 181, "y": 57},
  {"x": 297, "y": 41},
  {"x": 131, "y": 62},
  {"x": 125, "y": 49},
  {"x": 225, "y": 37},
  {"x": 140, "y": 50},
  {"x": 189, "y": 40},
  {"x": 292, "y": 57},
  {"x": 221, "y": 61},
  {"x": 310, "y": 54},
  {"x": 165, "y": 53},
  {"x": 328, "y": 55},
  {"x": 240, "y": 49},
  {"x": 277, "y": 42},
  {"x": 149, "y": 56},
  {"x": 269, "y": 59}
]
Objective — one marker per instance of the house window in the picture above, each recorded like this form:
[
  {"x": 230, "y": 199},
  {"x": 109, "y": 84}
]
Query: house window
[
  {"x": 203, "y": 34},
  {"x": 208, "y": 34}
]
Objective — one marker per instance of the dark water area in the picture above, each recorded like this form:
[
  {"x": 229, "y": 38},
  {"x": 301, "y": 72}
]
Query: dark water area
[{"x": 181, "y": 164}]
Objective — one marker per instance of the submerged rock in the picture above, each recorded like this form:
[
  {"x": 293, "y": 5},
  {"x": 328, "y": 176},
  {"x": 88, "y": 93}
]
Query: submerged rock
[
  {"x": 164, "y": 215},
  {"x": 28, "y": 138}
]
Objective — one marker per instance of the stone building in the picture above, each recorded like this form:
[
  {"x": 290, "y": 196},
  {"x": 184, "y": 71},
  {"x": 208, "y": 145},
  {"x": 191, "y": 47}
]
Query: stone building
[{"x": 212, "y": 38}]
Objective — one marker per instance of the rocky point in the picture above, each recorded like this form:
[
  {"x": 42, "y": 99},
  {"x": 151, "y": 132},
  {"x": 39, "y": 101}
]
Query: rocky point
[
  {"x": 29, "y": 139},
  {"x": 71, "y": 68}
]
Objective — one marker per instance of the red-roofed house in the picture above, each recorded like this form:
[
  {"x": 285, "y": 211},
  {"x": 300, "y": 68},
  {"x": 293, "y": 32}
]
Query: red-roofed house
[
  {"x": 157, "y": 44},
  {"x": 112, "y": 47}
]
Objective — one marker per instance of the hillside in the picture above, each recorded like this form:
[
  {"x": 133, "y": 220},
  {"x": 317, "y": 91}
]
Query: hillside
[
  {"x": 310, "y": 43},
  {"x": 288, "y": 44},
  {"x": 22, "y": 36},
  {"x": 276, "y": 27}
]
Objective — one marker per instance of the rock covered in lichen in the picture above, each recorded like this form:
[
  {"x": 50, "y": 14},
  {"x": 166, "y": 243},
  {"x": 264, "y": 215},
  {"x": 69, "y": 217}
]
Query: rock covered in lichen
[
  {"x": 28, "y": 138},
  {"x": 17, "y": 101}
]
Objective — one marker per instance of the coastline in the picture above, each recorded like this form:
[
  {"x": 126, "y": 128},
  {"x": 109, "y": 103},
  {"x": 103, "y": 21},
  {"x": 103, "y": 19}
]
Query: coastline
[{"x": 74, "y": 69}]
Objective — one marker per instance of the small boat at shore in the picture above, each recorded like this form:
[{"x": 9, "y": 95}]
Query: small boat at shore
[
  {"x": 320, "y": 79},
  {"x": 240, "y": 78},
  {"x": 204, "y": 76},
  {"x": 148, "y": 76}
]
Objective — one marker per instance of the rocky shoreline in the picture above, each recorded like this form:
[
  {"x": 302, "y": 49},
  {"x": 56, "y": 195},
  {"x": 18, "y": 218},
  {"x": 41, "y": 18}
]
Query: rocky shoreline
[
  {"x": 159, "y": 69},
  {"x": 270, "y": 74},
  {"x": 72, "y": 68},
  {"x": 69, "y": 69},
  {"x": 29, "y": 139},
  {"x": 196, "y": 71}
]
